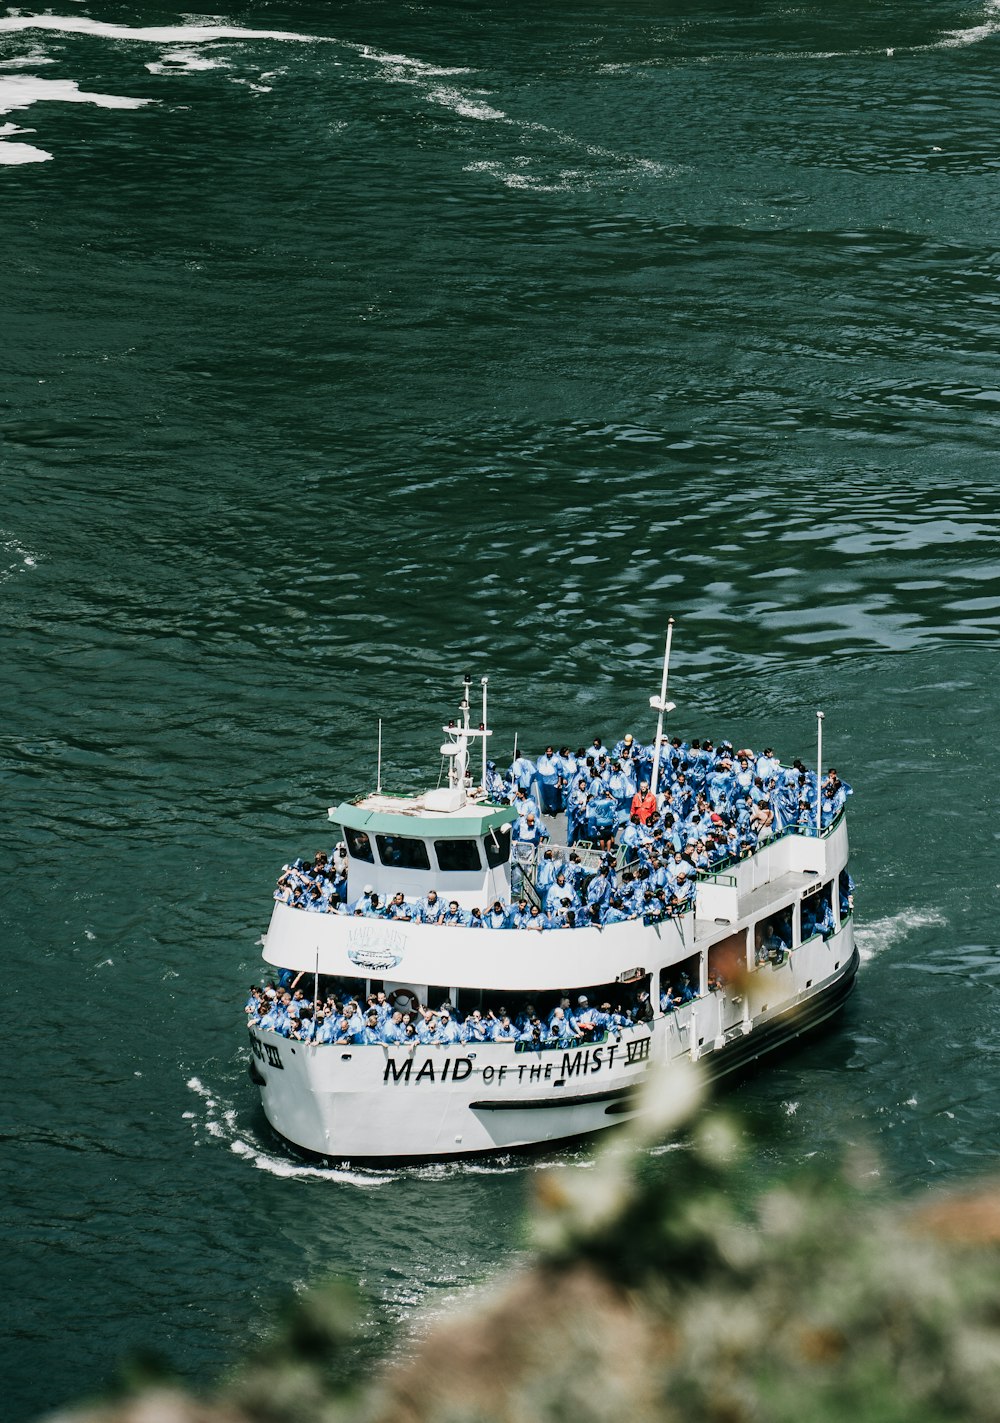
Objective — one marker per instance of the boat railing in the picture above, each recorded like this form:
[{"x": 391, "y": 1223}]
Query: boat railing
[{"x": 807, "y": 831}]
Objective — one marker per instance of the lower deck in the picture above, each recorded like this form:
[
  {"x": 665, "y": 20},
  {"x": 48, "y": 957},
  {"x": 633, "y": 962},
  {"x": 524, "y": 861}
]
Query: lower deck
[{"x": 383, "y": 1102}]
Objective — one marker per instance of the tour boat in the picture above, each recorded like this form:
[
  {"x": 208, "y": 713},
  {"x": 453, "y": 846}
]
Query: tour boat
[{"x": 380, "y": 1103}]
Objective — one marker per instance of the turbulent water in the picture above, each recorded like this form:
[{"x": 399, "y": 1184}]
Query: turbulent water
[{"x": 349, "y": 347}]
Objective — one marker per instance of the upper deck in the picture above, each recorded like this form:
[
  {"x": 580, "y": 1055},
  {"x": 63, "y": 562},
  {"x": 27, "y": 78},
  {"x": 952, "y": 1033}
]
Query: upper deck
[{"x": 780, "y": 871}]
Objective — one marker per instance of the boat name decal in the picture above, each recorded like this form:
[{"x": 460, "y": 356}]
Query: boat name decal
[
  {"x": 267, "y": 1052},
  {"x": 375, "y": 946},
  {"x": 401, "y": 1070},
  {"x": 577, "y": 1063}
]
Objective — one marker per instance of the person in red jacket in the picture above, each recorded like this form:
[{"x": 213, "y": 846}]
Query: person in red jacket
[{"x": 643, "y": 803}]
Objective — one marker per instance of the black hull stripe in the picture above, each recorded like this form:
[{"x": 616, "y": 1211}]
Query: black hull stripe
[
  {"x": 518, "y": 1104},
  {"x": 783, "y": 1029}
]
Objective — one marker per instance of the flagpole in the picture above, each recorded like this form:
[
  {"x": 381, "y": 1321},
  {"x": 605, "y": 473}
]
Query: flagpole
[
  {"x": 485, "y": 683},
  {"x": 662, "y": 705},
  {"x": 819, "y": 773}
]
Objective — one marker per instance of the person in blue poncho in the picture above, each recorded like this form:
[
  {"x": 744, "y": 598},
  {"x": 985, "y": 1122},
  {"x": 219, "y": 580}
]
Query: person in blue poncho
[
  {"x": 496, "y": 916},
  {"x": 557, "y": 892},
  {"x": 550, "y": 782},
  {"x": 528, "y": 831},
  {"x": 496, "y": 788},
  {"x": 522, "y": 772},
  {"x": 601, "y": 819}
]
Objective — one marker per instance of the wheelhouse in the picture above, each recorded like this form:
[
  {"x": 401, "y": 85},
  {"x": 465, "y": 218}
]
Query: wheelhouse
[{"x": 398, "y": 843}]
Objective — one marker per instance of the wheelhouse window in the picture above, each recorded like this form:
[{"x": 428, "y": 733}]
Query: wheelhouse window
[
  {"x": 359, "y": 847},
  {"x": 402, "y": 852},
  {"x": 497, "y": 845},
  {"x": 456, "y": 855}
]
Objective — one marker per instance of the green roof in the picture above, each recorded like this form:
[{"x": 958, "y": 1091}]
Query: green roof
[{"x": 427, "y": 824}]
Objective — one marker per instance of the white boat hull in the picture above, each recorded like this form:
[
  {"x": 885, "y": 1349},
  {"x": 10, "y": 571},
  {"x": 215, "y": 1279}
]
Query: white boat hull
[{"x": 382, "y": 1103}]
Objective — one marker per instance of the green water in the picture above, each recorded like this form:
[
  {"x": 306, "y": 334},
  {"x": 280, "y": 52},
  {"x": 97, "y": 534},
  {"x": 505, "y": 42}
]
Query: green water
[{"x": 444, "y": 337}]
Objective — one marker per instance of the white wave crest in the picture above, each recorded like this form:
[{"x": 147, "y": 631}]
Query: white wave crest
[
  {"x": 466, "y": 105},
  {"x": 150, "y": 34},
  {"x": 10, "y": 154},
  {"x": 20, "y": 91},
  {"x": 878, "y": 934},
  {"x": 405, "y": 64},
  {"x": 973, "y": 34},
  {"x": 220, "y": 1121},
  {"x": 184, "y": 61},
  {"x": 522, "y": 180},
  {"x": 26, "y": 61}
]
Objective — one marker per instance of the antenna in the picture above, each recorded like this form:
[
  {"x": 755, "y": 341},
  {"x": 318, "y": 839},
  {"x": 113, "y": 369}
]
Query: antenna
[
  {"x": 661, "y": 705},
  {"x": 378, "y": 787},
  {"x": 819, "y": 773},
  {"x": 484, "y": 682}
]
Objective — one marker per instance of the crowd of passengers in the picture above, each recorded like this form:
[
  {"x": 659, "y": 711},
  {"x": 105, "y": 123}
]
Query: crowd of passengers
[
  {"x": 726, "y": 798},
  {"x": 713, "y": 805},
  {"x": 288, "y": 1009}
]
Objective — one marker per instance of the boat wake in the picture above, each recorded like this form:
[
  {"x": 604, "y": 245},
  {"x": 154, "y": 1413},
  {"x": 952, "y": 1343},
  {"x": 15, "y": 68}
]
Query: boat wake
[
  {"x": 988, "y": 26},
  {"x": 14, "y": 557},
  {"x": 219, "y": 1119},
  {"x": 181, "y": 55},
  {"x": 880, "y": 934},
  {"x": 150, "y": 34}
]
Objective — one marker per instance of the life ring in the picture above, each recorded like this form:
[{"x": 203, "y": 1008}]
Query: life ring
[{"x": 404, "y": 1000}]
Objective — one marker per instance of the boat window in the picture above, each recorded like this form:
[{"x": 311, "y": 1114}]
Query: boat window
[
  {"x": 454, "y": 855},
  {"x": 359, "y": 847},
  {"x": 402, "y": 852},
  {"x": 497, "y": 844},
  {"x": 680, "y": 983},
  {"x": 772, "y": 937},
  {"x": 817, "y": 913}
]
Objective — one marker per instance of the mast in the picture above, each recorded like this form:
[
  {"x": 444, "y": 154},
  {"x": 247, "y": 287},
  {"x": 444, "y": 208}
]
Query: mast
[
  {"x": 661, "y": 705},
  {"x": 484, "y": 682},
  {"x": 819, "y": 773},
  {"x": 456, "y": 749}
]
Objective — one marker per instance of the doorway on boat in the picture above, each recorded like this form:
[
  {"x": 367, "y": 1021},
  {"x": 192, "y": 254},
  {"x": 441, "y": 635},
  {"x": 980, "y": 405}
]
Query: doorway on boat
[{"x": 727, "y": 961}]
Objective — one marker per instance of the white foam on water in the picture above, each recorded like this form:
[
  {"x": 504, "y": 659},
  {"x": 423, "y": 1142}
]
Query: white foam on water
[
  {"x": 220, "y": 1121},
  {"x": 879, "y": 934},
  {"x": 521, "y": 180},
  {"x": 988, "y": 26},
  {"x": 20, "y": 91},
  {"x": 27, "y": 61},
  {"x": 466, "y": 105},
  {"x": 10, "y": 154},
  {"x": 149, "y": 34},
  {"x": 665, "y": 1147},
  {"x": 409, "y": 68},
  {"x": 790, "y": 1108},
  {"x": 184, "y": 61}
]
